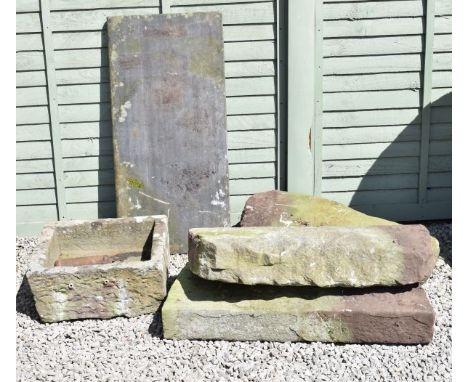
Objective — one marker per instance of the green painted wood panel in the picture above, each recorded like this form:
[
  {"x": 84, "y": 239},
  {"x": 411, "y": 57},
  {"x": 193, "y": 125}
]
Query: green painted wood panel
[
  {"x": 379, "y": 197},
  {"x": 401, "y": 212},
  {"x": 440, "y": 179},
  {"x": 34, "y": 165},
  {"x": 381, "y": 9},
  {"x": 98, "y": 193},
  {"x": 37, "y": 214},
  {"x": 175, "y": 3},
  {"x": 252, "y": 170},
  {"x": 440, "y": 163},
  {"x": 40, "y": 132},
  {"x": 34, "y": 181},
  {"x": 92, "y": 210},
  {"x": 33, "y": 150},
  {"x": 374, "y": 82},
  {"x": 371, "y": 134},
  {"x": 375, "y": 27},
  {"x": 373, "y": 182},
  {"x": 250, "y": 13},
  {"x": 384, "y": 81},
  {"x": 27, "y": 6},
  {"x": 56, "y": 5},
  {"x": 82, "y": 77},
  {"x": 373, "y": 150},
  {"x": 33, "y": 5},
  {"x": 396, "y": 133},
  {"x": 383, "y": 63},
  {"x": 367, "y": 167},
  {"x": 89, "y": 178},
  {"x": 28, "y": 22},
  {"x": 373, "y": 49},
  {"x": 383, "y": 45},
  {"x": 252, "y": 155},
  {"x": 30, "y": 78},
  {"x": 301, "y": 106},
  {"x": 29, "y": 41},
  {"x": 89, "y": 163},
  {"x": 35, "y": 197}
]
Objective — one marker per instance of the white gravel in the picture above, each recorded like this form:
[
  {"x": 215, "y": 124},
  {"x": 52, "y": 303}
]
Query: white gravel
[{"x": 124, "y": 349}]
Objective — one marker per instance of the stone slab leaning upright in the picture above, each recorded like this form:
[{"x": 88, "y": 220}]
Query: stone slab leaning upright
[
  {"x": 354, "y": 257},
  {"x": 209, "y": 310},
  {"x": 169, "y": 120},
  {"x": 285, "y": 209},
  {"x": 130, "y": 282}
]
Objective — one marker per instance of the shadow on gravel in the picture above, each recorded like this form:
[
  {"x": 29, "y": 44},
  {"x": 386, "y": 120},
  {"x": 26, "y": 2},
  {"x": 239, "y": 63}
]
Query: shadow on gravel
[
  {"x": 25, "y": 301},
  {"x": 156, "y": 328},
  {"x": 442, "y": 231}
]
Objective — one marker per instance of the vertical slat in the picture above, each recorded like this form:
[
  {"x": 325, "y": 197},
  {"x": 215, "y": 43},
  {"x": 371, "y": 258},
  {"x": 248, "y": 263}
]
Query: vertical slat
[
  {"x": 301, "y": 49},
  {"x": 165, "y": 6},
  {"x": 53, "y": 108},
  {"x": 281, "y": 92},
  {"x": 318, "y": 97},
  {"x": 426, "y": 101}
]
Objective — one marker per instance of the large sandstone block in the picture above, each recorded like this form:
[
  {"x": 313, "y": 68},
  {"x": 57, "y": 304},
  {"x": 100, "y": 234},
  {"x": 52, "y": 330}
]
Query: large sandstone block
[
  {"x": 209, "y": 310},
  {"x": 320, "y": 256},
  {"x": 100, "y": 268},
  {"x": 169, "y": 119},
  {"x": 280, "y": 208}
]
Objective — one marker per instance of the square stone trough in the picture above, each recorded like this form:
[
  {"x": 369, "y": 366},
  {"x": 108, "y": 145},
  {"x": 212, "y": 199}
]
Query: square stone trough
[{"x": 100, "y": 268}]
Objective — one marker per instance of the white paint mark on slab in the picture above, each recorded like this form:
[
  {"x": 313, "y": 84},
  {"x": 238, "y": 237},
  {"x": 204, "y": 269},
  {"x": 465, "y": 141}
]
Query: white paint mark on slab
[
  {"x": 152, "y": 197},
  {"x": 123, "y": 111},
  {"x": 122, "y": 305},
  {"x": 284, "y": 219},
  {"x": 137, "y": 204}
]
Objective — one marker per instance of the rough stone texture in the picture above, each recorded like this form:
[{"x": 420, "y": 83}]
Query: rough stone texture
[
  {"x": 169, "y": 120},
  {"x": 201, "y": 309},
  {"x": 133, "y": 286},
  {"x": 133, "y": 349},
  {"x": 280, "y": 208},
  {"x": 321, "y": 256}
]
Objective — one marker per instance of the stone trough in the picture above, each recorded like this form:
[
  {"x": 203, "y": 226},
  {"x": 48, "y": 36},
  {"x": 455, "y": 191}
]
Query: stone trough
[{"x": 100, "y": 268}]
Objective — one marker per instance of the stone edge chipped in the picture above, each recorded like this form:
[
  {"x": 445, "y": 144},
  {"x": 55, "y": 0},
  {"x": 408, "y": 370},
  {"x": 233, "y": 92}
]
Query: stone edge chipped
[{"x": 40, "y": 254}]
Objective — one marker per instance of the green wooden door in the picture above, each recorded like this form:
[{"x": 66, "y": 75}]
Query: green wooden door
[{"x": 370, "y": 84}]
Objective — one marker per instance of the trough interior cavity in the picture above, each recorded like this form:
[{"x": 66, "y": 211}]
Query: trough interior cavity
[{"x": 122, "y": 240}]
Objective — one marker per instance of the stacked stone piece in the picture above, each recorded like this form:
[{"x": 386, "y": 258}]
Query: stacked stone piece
[
  {"x": 100, "y": 268},
  {"x": 301, "y": 281}
]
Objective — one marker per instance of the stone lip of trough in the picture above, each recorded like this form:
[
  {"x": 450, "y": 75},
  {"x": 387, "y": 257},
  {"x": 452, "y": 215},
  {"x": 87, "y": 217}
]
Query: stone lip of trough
[
  {"x": 100, "y": 291},
  {"x": 39, "y": 257}
]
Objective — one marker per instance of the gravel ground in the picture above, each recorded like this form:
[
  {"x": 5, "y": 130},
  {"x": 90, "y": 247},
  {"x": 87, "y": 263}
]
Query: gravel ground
[{"x": 124, "y": 349}]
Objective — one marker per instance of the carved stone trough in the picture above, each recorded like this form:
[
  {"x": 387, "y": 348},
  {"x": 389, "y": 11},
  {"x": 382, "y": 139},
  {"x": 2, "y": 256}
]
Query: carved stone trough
[{"x": 100, "y": 268}]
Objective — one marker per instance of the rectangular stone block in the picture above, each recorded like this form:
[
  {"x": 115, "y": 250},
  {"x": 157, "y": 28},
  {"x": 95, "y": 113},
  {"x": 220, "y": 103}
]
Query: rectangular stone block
[
  {"x": 281, "y": 208},
  {"x": 199, "y": 309},
  {"x": 325, "y": 256},
  {"x": 169, "y": 120},
  {"x": 100, "y": 268}
]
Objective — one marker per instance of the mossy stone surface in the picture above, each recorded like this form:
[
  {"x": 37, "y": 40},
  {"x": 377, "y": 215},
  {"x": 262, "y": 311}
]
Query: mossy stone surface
[
  {"x": 280, "y": 208},
  {"x": 324, "y": 256},
  {"x": 131, "y": 286},
  {"x": 199, "y": 309}
]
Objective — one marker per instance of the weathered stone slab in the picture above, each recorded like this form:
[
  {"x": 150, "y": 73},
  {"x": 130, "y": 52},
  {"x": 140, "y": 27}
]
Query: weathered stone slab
[
  {"x": 209, "y": 310},
  {"x": 280, "y": 208},
  {"x": 169, "y": 120},
  {"x": 321, "y": 256},
  {"x": 132, "y": 283}
]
